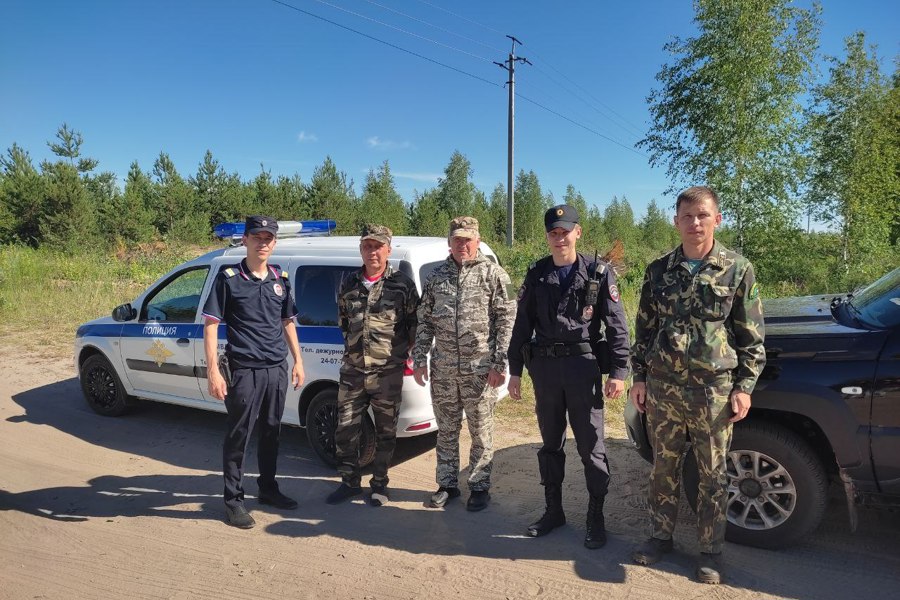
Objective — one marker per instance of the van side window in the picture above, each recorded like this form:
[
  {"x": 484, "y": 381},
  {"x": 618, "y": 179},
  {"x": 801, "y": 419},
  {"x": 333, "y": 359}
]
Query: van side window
[{"x": 315, "y": 293}]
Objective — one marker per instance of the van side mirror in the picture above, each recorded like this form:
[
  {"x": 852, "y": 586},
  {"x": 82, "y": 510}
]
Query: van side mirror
[{"x": 124, "y": 312}]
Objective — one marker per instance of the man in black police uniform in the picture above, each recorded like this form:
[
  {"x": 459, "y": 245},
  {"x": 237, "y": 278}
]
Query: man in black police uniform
[
  {"x": 254, "y": 299},
  {"x": 565, "y": 298}
]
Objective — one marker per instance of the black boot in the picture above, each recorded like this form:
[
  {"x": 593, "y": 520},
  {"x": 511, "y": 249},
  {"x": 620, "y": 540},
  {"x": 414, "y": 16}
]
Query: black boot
[
  {"x": 553, "y": 515},
  {"x": 596, "y": 524}
]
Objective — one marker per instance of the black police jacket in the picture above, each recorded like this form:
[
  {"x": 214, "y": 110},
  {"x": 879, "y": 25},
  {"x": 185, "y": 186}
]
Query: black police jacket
[{"x": 551, "y": 316}]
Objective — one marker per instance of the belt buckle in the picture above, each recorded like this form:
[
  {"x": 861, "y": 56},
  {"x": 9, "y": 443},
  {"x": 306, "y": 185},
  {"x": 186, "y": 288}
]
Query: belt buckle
[{"x": 557, "y": 350}]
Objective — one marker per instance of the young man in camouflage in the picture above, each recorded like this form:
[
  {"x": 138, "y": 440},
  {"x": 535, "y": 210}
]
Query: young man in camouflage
[
  {"x": 467, "y": 310},
  {"x": 377, "y": 315},
  {"x": 697, "y": 354}
]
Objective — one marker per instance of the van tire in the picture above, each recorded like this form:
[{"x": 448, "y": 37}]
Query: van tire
[{"x": 321, "y": 422}]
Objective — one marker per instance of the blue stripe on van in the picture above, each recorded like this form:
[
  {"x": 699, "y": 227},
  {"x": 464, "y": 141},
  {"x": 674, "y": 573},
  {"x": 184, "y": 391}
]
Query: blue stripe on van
[{"x": 307, "y": 334}]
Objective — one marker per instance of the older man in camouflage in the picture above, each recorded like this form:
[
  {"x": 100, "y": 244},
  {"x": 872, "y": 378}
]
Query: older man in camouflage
[
  {"x": 697, "y": 354},
  {"x": 468, "y": 310},
  {"x": 377, "y": 315}
]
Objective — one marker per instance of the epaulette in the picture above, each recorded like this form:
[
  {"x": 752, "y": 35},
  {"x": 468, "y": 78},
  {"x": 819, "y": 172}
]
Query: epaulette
[
  {"x": 284, "y": 274},
  {"x": 229, "y": 272}
]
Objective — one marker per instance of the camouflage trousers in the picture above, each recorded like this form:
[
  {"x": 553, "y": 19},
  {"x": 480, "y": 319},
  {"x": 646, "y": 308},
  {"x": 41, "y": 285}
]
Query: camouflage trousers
[
  {"x": 449, "y": 397},
  {"x": 673, "y": 413},
  {"x": 357, "y": 391}
]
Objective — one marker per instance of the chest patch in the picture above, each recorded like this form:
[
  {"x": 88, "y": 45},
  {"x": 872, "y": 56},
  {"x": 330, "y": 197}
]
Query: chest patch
[{"x": 278, "y": 289}]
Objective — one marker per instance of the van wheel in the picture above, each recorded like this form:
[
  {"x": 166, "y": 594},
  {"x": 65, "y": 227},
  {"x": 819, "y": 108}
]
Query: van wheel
[
  {"x": 102, "y": 388},
  {"x": 777, "y": 486},
  {"x": 321, "y": 422}
]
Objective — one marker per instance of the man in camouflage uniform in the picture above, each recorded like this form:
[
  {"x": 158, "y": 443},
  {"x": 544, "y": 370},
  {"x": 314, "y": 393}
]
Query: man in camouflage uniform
[
  {"x": 377, "y": 315},
  {"x": 468, "y": 310},
  {"x": 697, "y": 354}
]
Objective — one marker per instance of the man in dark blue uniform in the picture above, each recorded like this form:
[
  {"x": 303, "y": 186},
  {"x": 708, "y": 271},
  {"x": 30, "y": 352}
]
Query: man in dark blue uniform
[
  {"x": 564, "y": 301},
  {"x": 254, "y": 300}
]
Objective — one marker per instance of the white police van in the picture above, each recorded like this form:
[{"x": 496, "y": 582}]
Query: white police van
[{"x": 152, "y": 348}]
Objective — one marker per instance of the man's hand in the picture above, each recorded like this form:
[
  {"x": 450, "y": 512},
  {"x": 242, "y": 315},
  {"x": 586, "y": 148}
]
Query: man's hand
[
  {"x": 613, "y": 387},
  {"x": 216, "y": 383},
  {"x": 515, "y": 387},
  {"x": 740, "y": 405},
  {"x": 638, "y": 395},
  {"x": 496, "y": 378},
  {"x": 420, "y": 374},
  {"x": 297, "y": 375}
]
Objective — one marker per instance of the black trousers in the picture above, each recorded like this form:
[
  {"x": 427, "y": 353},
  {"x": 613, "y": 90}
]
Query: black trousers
[
  {"x": 253, "y": 394},
  {"x": 570, "y": 387}
]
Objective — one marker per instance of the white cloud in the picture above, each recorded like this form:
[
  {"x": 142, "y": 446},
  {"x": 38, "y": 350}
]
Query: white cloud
[
  {"x": 378, "y": 143},
  {"x": 426, "y": 177},
  {"x": 307, "y": 137}
]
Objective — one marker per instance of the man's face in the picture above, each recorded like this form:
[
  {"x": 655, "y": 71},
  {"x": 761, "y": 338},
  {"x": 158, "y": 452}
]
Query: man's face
[
  {"x": 562, "y": 241},
  {"x": 463, "y": 248},
  {"x": 697, "y": 221},
  {"x": 374, "y": 255},
  {"x": 259, "y": 244}
]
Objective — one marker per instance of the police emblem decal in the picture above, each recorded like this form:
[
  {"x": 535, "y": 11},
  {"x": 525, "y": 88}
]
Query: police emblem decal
[
  {"x": 588, "y": 313},
  {"x": 614, "y": 293},
  {"x": 159, "y": 353},
  {"x": 278, "y": 289}
]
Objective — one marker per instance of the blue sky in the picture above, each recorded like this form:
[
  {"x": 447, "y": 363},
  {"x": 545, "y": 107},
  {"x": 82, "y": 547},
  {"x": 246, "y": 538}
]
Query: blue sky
[{"x": 257, "y": 82}]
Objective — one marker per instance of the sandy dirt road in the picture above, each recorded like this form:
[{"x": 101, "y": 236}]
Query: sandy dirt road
[{"x": 92, "y": 507}]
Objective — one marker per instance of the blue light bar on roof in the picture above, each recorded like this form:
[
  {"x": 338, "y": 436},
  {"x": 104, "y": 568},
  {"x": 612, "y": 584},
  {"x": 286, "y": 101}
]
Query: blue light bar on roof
[{"x": 285, "y": 229}]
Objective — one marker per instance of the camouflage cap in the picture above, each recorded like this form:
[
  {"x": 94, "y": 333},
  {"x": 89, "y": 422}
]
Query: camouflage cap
[
  {"x": 464, "y": 227},
  {"x": 379, "y": 233}
]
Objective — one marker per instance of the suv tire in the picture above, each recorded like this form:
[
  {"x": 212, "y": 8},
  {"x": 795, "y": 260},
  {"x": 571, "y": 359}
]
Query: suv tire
[
  {"x": 321, "y": 422},
  {"x": 102, "y": 387},
  {"x": 769, "y": 457}
]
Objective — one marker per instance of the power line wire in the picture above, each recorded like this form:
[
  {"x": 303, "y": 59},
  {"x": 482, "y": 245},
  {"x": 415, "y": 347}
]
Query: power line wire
[
  {"x": 400, "y": 29},
  {"x": 438, "y": 27},
  {"x": 462, "y": 72},
  {"x": 380, "y": 41},
  {"x": 626, "y": 122},
  {"x": 441, "y": 8},
  {"x": 574, "y": 122}
]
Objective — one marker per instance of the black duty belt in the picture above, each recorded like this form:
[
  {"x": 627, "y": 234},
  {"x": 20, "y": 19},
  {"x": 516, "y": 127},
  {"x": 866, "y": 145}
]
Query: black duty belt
[{"x": 561, "y": 350}]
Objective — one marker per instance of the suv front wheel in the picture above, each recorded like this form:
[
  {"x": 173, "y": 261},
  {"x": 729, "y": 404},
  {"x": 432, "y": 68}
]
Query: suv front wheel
[
  {"x": 321, "y": 422},
  {"x": 776, "y": 486}
]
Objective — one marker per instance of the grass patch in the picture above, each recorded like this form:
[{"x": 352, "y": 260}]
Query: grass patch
[{"x": 45, "y": 294}]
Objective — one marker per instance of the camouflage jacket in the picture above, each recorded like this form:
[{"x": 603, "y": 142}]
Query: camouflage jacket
[
  {"x": 468, "y": 312},
  {"x": 379, "y": 324},
  {"x": 698, "y": 329}
]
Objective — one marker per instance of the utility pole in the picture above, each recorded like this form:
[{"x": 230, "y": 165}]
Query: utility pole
[{"x": 510, "y": 66}]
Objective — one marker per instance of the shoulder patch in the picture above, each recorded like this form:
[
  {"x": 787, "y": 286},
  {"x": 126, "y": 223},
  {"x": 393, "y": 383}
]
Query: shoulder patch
[
  {"x": 754, "y": 291},
  {"x": 230, "y": 272},
  {"x": 521, "y": 293},
  {"x": 614, "y": 293}
]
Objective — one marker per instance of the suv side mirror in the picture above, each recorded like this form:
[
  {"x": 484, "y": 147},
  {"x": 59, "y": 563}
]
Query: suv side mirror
[{"x": 124, "y": 312}]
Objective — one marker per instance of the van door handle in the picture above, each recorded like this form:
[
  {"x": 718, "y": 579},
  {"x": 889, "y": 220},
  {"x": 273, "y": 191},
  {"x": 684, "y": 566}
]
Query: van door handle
[
  {"x": 183, "y": 342},
  {"x": 852, "y": 390}
]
